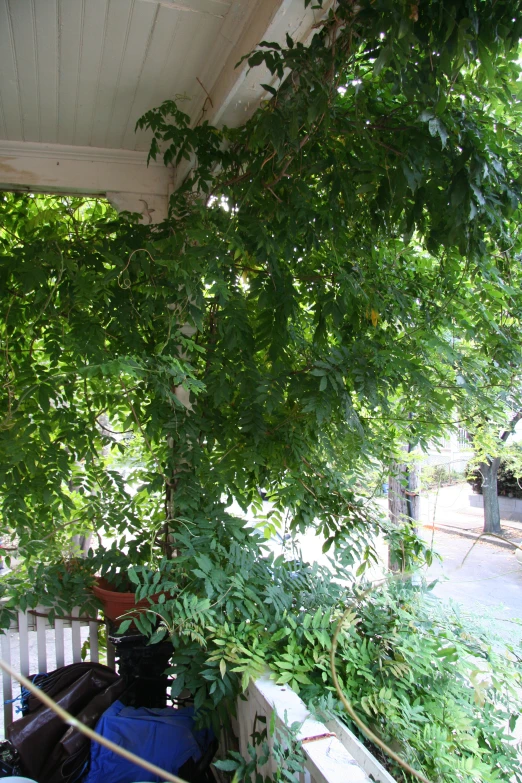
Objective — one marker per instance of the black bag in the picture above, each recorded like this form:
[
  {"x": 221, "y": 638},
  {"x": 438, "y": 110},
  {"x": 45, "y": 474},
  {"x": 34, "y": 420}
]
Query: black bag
[{"x": 49, "y": 750}]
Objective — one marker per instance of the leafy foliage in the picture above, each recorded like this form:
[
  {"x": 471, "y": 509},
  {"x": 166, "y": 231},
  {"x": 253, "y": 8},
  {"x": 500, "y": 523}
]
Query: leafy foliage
[
  {"x": 338, "y": 272},
  {"x": 351, "y": 274},
  {"x": 279, "y": 745},
  {"x": 423, "y": 677},
  {"x": 509, "y": 473},
  {"x": 433, "y": 685}
]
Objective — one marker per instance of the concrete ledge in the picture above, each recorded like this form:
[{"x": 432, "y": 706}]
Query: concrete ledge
[
  {"x": 373, "y": 768},
  {"x": 329, "y": 756}
]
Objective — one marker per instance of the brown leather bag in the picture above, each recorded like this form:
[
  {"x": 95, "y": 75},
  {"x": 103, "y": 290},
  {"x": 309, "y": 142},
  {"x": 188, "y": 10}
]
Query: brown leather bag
[{"x": 50, "y": 751}]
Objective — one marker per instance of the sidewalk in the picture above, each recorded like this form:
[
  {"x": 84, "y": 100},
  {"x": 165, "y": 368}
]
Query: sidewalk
[{"x": 456, "y": 509}]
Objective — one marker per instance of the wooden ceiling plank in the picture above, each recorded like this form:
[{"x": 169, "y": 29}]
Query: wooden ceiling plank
[
  {"x": 3, "y": 125},
  {"x": 243, "y": 28},
  {"x": 24, "y": 44},
  {"x": 118, "y": 25},
  {"x": 194, "y": 44},
  {"x": 46, "y": 18},
  {"x": 208, "y": 7},
  {"x": 167, "y": 83},
  {"x": 141, "y": 28},
  {"x": 93, "y": 37},
  {"x": 70, "y": 47},
  {"x": 154, "y": 66},
  {"x": 11, "y": 97}
]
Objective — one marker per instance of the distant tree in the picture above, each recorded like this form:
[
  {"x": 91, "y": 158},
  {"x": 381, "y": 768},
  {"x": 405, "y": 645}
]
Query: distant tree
[{"x": 491, "y": 449}]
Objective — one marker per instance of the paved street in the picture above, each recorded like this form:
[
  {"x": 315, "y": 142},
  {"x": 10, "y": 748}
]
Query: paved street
[{"x": 489, "y": 582}]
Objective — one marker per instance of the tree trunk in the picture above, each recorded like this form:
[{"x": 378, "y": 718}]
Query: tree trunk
[
  {"x": 489, "y": 471},
  {"x": 403, "y": 502}
]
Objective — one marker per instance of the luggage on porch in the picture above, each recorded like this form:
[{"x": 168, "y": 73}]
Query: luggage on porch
[
  {"x": 48, "y": 749},
  {"x": 42, "y": 747},
  {"x": 166, "y": 737}
]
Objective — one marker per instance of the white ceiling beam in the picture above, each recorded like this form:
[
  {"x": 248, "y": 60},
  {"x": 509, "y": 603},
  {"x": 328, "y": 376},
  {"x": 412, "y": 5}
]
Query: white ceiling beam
[{"x": 59, "y": 168}]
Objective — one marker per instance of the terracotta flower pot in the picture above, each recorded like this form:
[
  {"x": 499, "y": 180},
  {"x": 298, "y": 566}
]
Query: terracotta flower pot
[{"x": 115, "y": 604}]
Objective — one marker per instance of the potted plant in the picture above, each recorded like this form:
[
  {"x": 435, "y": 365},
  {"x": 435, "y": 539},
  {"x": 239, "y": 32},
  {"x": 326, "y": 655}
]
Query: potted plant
[
  {"x": 117, "y": 602},
  {"x": 115, "y": 581}
]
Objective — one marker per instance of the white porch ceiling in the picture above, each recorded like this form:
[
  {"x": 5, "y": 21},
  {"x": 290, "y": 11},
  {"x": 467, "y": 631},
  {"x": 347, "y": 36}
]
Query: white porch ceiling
[
  {"x": 75, "y": 75},
  {"x": 81, "y": 72}
]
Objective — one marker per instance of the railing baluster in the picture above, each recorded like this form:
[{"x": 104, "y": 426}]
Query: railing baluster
[
  {"x": 7, "y": 689},
  {"x": 41, "y": 644},
  {"x": 17, "y": 644},
  {"x": 23, "y": 641},
  {"x": 76, "y": 637},
  {"x": 59, "y": 644}
]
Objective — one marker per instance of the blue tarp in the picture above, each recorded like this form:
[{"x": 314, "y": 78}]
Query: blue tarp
[{"x": 165, "y": 737}]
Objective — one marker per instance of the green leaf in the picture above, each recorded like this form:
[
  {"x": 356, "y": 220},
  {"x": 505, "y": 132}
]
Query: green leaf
[
  {"x": 383, "y": 58},
  {"x": 177, "y": 686},
  {"x": 227, "y": 765},
  {"x": 158, "y": 635},
  {"x": 124, "y": 626}
]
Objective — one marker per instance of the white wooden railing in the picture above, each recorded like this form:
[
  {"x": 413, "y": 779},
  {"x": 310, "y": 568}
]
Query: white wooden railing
[
  {"x": 32, "y": 645},
  {"x": 333, "y": 753}
]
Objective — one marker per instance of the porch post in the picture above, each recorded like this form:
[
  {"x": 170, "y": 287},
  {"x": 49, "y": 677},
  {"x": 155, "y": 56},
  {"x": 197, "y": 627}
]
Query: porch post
[{"x": 153, "y": 208}]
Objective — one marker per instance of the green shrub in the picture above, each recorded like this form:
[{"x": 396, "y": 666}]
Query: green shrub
[
  {"x": 435, "y": 689},
  {"x": 434, "y": 476},
  {"x": 507, "y": 480}
]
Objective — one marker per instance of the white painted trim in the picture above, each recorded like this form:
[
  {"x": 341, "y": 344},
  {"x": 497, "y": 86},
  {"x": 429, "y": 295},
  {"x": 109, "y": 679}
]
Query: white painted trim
[
  {"x": 181, "y": 7},
  {"x": 59, "y": 168},
  {"x": 361, "y": 754},
  {"x": 152, "y": 208},
  {"x": 34, "y": 149}
]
